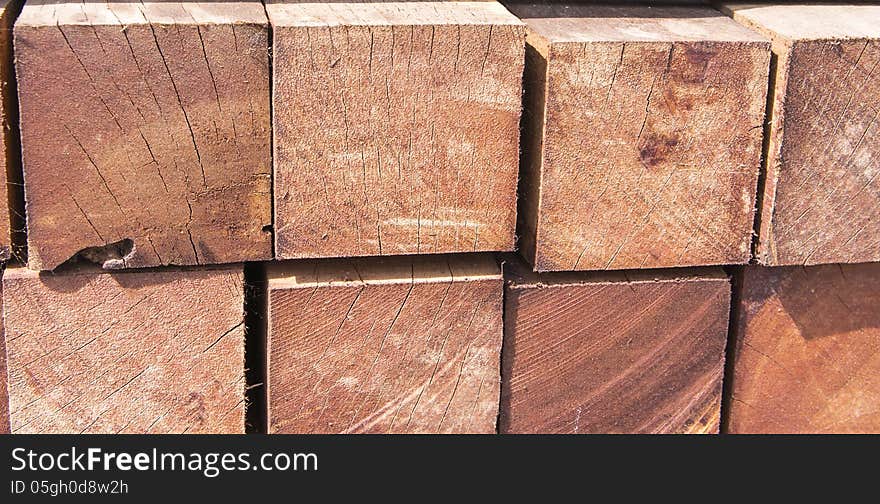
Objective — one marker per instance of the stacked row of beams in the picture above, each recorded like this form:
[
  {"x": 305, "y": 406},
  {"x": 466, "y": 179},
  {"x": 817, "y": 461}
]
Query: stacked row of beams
[{"x": 156, "y": 136}]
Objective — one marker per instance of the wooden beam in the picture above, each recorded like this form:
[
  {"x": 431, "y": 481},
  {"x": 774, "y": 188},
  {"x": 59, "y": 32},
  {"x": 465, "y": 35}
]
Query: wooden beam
[
  {"x": 9, "y": 165},
  {"x": 157, "y": 137},
  {"x": 4, "y": 396},
  {"x": 821, "y": 202},
  {"x": 131, "y": 352},
  {"x": 403, "y": 345},
  {"x": 807, "y": 351},
  {"x": 643, "y": 136},
  {"x": 639, "y": 352},
  {"x": 396, "y": 127}
]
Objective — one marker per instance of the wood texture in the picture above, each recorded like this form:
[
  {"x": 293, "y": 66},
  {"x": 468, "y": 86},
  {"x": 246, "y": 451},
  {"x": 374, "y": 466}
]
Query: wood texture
[
  {"x": 643, "y": 137},
  {"x": 611, "y": 353},
  {"x": 407, "y": 345},
  {"x": 821, "y": 203},
  {"x": 807, "y": 351},
  {"x": 396, "y": 127},
  {"x": 8, "y": 144},
  {"x": 146, "y": 122},
  {"x": 4, "y": 397},
  {"x": 130, "y": 352}
]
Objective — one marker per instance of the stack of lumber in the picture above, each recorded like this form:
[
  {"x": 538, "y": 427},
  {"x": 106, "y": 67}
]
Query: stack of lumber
[
  {"x": 807, "y": 332},
  {"x": 439, "y": 217}
]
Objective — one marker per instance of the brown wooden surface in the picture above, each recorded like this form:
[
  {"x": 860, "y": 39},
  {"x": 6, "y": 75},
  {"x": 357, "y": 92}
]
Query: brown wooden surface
[
  {"x": 396, "y": 127},
  {"x": 644, "y": 136},
  {"x": 4, "y": 397},
  {"x": 147, "y": 122},
  {"x": 611, "y": 353},
  {"x": 807, "y": 351},
  {"x": 821, "y": 202},
  {"x": 131, "y": 352},
  {"x": 407, "y": 345},
  {"x": 8, "y": 146}
]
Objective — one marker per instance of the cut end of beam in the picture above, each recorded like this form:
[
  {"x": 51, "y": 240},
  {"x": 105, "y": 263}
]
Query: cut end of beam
[
  {"x": 591, "y": 354},
  {"x": 676, "y": 99},
  {"x": 385, "y": 346},
  {"x": 129, "y": 352},
  {"x": 806, "y": 357}
]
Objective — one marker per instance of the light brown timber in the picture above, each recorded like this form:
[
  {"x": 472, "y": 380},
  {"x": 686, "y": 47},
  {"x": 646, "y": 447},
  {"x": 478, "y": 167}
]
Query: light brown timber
[
  {"x": 643, "y": 136},
  {"x": 396, "y": 127},
  {"x": 128, "y": 352},
  {"x": 821, "y": 200}
]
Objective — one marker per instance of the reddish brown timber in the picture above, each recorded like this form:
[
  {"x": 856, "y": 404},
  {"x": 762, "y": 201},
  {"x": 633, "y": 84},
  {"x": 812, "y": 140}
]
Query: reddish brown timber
[
  {"x": 617, "y": 352},
  {"x": 807, "y": 351},
  {"x": 385, "y": 345},
  {"x": 4, "y": 397},
  {"x": 145, "y": 132}
]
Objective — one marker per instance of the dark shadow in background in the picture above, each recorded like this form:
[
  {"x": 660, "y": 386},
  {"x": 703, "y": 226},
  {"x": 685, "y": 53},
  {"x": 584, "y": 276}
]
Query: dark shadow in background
[
  {"x": 14, "y": 174},
  {"x": 829, "y": 300},
  {"x": 255, "y": 324}
]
